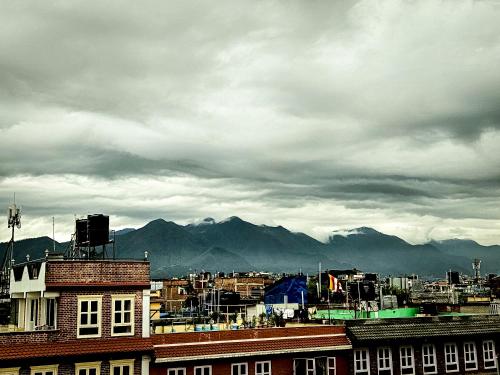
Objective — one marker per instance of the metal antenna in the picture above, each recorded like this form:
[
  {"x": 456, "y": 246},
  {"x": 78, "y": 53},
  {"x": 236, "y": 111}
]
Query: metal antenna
[
  {"x": 13, "y": 221},
  {"x": 53, "y": 234}
]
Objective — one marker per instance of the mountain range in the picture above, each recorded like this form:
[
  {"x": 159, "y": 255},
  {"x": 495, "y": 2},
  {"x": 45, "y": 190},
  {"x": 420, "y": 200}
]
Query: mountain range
[{"x": 237, "y": 245}]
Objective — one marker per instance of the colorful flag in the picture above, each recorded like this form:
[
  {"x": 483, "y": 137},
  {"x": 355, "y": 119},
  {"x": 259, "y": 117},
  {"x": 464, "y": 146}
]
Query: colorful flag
[{"x": 335, "y": 285}]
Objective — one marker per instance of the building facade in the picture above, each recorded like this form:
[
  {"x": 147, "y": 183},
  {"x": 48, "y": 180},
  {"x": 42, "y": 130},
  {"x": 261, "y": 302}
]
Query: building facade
[
  {"x": 84, "y": 317},
  {"x": 314, "y": 350},
  {"x": 434, "y": 345}
]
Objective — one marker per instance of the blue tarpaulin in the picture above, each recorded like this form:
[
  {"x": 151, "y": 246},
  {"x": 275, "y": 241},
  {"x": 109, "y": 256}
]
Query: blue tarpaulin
[{"x": 290, "y": 286}]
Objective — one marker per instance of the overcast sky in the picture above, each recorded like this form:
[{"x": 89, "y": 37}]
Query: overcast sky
[{"x": 316, "y": 115}]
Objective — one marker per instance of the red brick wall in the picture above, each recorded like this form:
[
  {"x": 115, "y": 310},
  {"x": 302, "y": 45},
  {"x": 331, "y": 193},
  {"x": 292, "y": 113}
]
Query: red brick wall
[
  {"x": 68, "y": 309},
  {"x": 97, "y": 271},
  {"x": 67, "y": 367},
  {"x": 280, "y": 365}
]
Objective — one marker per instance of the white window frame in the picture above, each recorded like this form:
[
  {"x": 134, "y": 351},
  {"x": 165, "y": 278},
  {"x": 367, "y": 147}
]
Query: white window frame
[
  {"x": 405, "y": 348},
  {"x": 430, "y": 356},
  {"x": 489, "y": 354},
  {"x": 364, "y": 369},
  {"x": 44, "y": 369},
  {"x": 468, "y": 362},
  {"x": 328, "y": 365},
  {"x": 9, "y": 371},
  {"x": 263, "y": 372},
  {"x": 88, "y": 366},
  {"x": 454, "y": 354},
  {"x": 88, "y": 325},
  {"x": 122, "y": 298},
  {"x": 209, "y": 367},
  {"x": 121, "y": 363},
  {"x": 237, "y": 367},
  {"x": 384, "y": 358},
  {"x": 175, "y": 371}
]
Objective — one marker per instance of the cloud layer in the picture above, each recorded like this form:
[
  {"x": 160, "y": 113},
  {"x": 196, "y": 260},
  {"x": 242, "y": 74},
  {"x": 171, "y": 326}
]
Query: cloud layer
[{"x": 316, "y": 116}]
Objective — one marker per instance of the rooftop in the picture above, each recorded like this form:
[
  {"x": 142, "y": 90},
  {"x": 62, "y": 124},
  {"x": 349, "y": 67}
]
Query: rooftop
[
  {"x": 250, "y": 342},
  {"x": 419, "y": 328}
]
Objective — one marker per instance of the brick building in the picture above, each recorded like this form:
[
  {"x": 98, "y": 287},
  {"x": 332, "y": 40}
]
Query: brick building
[
  {"x": 246, "y": 286},
  {"x": 175, "y": 293},
  {"x": 81, "y": 317},
  {"x": 78, "y": 317},
  {"x": 314, "y": 350},
  {"x": 434, "y": 345}
]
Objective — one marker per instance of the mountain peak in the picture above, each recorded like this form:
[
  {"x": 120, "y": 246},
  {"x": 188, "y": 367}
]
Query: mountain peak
[
  {"x": 205, "y": 221},
  {"x": 159, "y": 223},
  {"x": 355, "y": 231},
  {"x": 366, "y": 230},
  {"x": 232, "y": 219}
]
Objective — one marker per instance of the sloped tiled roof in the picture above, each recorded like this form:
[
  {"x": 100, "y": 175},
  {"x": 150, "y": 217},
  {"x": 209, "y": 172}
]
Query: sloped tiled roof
[
  {"x": 193, "y": 346},
  {"x": 396, "y": 329},
  {"x": 74, "y": 348}
]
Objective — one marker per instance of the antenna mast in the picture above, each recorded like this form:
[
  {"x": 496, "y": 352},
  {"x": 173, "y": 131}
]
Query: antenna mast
[{"x": 13, "y": 221}]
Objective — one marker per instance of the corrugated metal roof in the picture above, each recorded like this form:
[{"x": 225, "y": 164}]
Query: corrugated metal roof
[{"x": 397, "y": 329}]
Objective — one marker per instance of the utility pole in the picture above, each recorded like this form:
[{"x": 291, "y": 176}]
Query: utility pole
[{"x": 319, "y": 281}]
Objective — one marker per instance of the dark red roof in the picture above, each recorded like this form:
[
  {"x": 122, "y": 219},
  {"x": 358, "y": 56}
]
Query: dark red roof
[
  {"x": 75, "y": 348},
  {"x": 96, "y": 284},
  {"x": 246, "y": 334},
  {"x": 192, "y": 346}
]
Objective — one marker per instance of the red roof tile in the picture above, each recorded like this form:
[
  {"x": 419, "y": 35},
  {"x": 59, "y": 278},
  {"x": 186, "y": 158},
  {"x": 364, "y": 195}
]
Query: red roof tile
[
  {"x": 75, "y": 348},
  {"x": 191, "y": 346},
  {"x": 246, "y": 334}
]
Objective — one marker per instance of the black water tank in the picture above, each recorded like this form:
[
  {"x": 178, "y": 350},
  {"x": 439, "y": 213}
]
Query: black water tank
[
  {"x": 98, "y": 229},
  {"x": 81, "y": 232}
]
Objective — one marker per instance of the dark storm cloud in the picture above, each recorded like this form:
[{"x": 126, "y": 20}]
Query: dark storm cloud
[{"x": 315, "y": 115}]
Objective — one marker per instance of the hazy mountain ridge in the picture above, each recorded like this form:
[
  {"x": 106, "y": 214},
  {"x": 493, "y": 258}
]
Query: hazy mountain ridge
[{"x": 234, "y": 244}]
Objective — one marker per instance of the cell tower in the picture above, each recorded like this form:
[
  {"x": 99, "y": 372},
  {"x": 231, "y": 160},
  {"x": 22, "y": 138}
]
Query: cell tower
[
  {"x": 476, "y": 266},
  {"x": 13, "y": 221}
]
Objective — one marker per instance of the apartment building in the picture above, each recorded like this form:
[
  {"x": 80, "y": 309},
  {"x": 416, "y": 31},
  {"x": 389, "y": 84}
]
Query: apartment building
[
  {"x": 321, "y": 350},
  {"x": 84, "y": 317},
  {"x": 433, "y": 345}
]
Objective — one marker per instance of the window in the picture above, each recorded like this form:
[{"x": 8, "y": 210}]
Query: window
[
  {"x": 429, "y": 363},
  {"x": 88, "y": 368},
  {"x": 123, "y": 315},
  {"x": 239, "y": 369},
  {"x": 176, "y": 371},
  {"x": 50, "y": 312},
  {"x": 44, "y": 370},
  {"x": 331, "y": 366},
  {"x": 122, "y": 367},
  {"x": 263, "y": 368},
  {"x": 384, "y": 361},
  {"x": 489, "y": 354},
  {"x": 9, "y": 371},
  {"x": 203, "y": 370},
  {"x": 304, "y": 366},
  {"x": 451, "y": 357},
  {"x": 33, "y": 317},
  {"x": 89, "y": 316},
  {"x": 470, "y": 357},
  {"x": 361, "y": 362},
  {"x": 314, "y": 366},
  {"x": 407, "y": 360}
]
